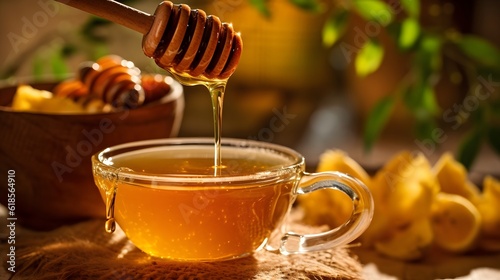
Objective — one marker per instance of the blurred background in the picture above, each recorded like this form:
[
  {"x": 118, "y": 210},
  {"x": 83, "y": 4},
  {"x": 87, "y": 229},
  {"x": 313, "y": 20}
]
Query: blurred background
[{"x": 370, "y": 77}]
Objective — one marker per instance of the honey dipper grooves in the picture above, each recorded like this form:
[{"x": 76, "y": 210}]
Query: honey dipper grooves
[{"x": 188, "y": 41}]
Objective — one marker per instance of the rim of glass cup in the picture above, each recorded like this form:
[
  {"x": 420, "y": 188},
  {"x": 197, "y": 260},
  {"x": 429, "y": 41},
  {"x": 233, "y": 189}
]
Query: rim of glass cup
[{"x": 102, "y": 161}]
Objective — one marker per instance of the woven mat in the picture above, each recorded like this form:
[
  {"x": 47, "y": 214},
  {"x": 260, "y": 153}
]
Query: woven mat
[{"x": 86, "y": 251}]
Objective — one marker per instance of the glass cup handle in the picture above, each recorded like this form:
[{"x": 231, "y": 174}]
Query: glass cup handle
[{"x": 362, "y": 213}]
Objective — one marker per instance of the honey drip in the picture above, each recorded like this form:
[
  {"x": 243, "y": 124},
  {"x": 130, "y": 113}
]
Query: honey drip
[
  {"x": 110, "y": 224},
  {"x": 216, "y": 89}
]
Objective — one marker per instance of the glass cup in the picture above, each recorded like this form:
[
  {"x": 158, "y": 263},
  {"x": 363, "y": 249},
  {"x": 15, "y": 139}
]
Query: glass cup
[{"x": 173, "y": 202}]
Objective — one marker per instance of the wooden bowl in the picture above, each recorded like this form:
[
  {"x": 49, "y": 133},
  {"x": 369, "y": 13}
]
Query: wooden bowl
[{"x": 49, "y": 154}]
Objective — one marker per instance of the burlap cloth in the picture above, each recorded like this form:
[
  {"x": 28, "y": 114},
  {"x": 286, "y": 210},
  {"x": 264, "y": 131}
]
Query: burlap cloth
[{"x": 86, "y": 251}]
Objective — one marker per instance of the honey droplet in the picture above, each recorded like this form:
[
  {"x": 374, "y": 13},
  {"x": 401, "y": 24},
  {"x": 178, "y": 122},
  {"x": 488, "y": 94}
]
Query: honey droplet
[{"x": 110, "y": 225}]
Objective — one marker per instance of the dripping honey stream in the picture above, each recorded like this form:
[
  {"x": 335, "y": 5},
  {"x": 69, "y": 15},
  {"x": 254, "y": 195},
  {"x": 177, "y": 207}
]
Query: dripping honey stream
[{"x": 217, "y": 90}]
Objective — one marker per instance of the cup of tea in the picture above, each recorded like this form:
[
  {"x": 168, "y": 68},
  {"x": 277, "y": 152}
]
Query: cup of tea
[{"x": 173, "y": 202}]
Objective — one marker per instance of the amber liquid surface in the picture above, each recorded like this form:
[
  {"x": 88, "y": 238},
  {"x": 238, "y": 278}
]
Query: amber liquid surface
[{"x": 205, "y": 217}]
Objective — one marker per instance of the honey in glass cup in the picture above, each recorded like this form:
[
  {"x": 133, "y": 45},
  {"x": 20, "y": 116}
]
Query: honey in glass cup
[{"x": 172, "y": 202}]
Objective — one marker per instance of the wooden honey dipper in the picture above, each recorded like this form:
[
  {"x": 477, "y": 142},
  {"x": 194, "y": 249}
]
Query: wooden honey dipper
[
  {"x": 111, "y": 79},
  {"x": 177, "y": 37}
]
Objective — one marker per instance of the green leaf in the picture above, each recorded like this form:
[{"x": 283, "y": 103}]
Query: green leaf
[
  {"x": 411, "y": 97},
  {"x": 431, "y": 43},
  {"x": 425, "y": 127},
  {"x": 98, "y": 51},
  {"x": 420, "y": 99},
  {"x": 427, "y": 59},
  {"x": 90, "y": 29},
  {"x": 476, "y": 113},
  {"x": 38, "y": 70},
  {"x": 377, "y": 119},
  {"x": 412, "y": 7},
  {"x": 369, "y": 58},
  {"x": 334, "y": 27},
  {"x": 68, "y": 50},
  {"x": 409, "y": 33},
  {"x": 308, "y": 5},
  {"x": 492, "y": 75},
  {"x": 261, "y": 6},
  {"x": 480, "y": 50},
  {"x": 494, "y": 138},
  {"x": 58, "y": 65},
  {"x": 469, "y": 147},
  {"x": 429, "y": 101},
  {"x": 495, "y": 108},
  {"x": 374, "y": 10}
]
